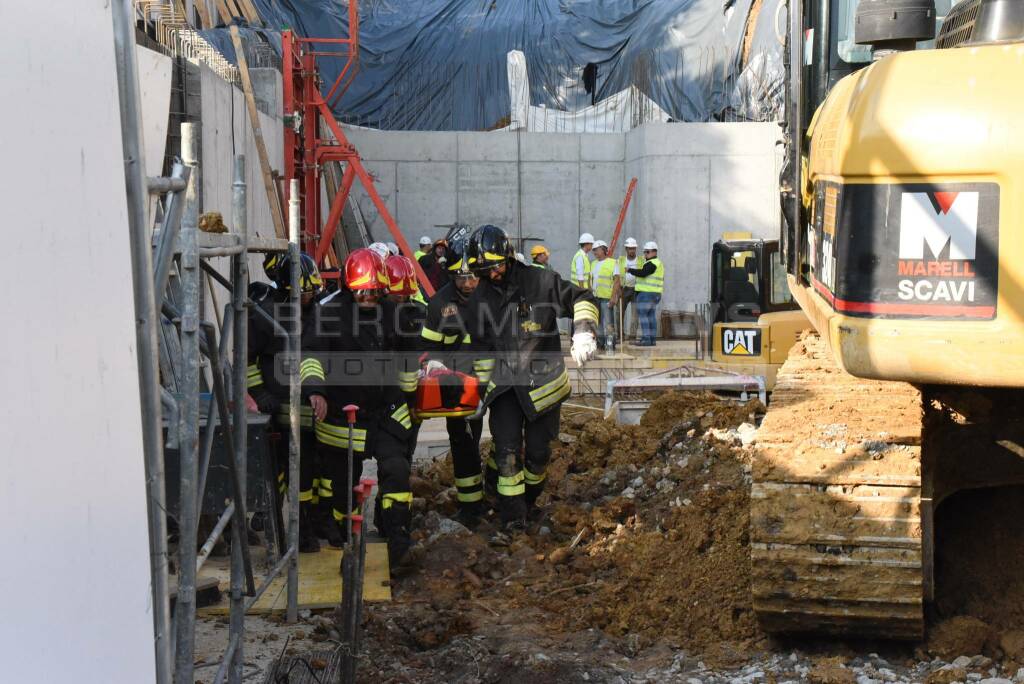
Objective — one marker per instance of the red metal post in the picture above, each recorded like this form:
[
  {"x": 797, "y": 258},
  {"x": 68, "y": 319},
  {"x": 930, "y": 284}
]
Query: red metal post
[
  {"x": 305, "y": 109},
  {"x": 622, "y": 216}
]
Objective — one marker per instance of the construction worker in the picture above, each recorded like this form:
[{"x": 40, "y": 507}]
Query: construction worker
[
  {"x": 265, "y": 342},
  {"x": 424, "y": 248},
  {"x": 434, "y": 264},
  {"x": 579, "y": 270},
  {"x": 447, "y": 341},
  {"x": 628, "y": 281},
  {"x": 605, "y": 274},
  {"x": 540, "y": 256},
  {"x": 650, "y": 283},
  {"x": 356, "y": 331},
  {"x": 515, "y": 312}
]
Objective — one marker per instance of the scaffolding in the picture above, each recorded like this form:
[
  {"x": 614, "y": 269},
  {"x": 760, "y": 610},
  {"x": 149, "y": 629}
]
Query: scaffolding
[{"x": 189, "y": 387}]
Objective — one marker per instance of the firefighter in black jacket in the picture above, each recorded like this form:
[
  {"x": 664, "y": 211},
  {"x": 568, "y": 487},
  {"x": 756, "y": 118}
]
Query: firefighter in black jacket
[
  {"x": 447, "y": 340},
  {"x": 516, "y": 308},
  {"x": 409, "y": 317},
  {"x": 354, "y": 345},
  {"x": 265, "y": 387}
]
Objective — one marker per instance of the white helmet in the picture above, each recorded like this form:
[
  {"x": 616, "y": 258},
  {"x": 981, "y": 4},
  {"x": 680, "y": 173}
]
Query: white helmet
[
  {"x": 586, "y": 238},
  {"x": 600, "y": 243},
  {"x": 651, "y": 244},
  {"x": 425, "y": 241},
  {"x": 630, "y": 242},
  {"x": 520, "y": 257},
  {"x": 392, "y": 248},
  {"x": 380, "y": 248}
]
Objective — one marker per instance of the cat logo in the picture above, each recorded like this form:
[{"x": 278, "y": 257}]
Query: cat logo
[{"x": 741, "y": 341}]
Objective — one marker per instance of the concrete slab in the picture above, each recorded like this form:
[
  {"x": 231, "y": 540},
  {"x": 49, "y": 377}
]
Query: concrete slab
[
  {"x": 488, "y": 193},
  {"x": 404, "y": 145},
  {"x": 602, "y": 189},
  {"x": 608, "y": 147},
  {"x": 496, "y": 146},
  {"x": 426, "y": 197},
  {"x": 550, "y": 147}
]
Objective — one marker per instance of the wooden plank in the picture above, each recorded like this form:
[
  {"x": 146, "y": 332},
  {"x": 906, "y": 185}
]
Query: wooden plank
[
  {"x": 273, "y": 199},
  {"x": 204, "y": 14},
  {"x": 249, "y": 11},
  {"x": 320, "y": 582},
  {"x": 222, "y": 10}
]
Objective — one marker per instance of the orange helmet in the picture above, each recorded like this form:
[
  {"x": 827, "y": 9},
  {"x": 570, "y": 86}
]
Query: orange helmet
[
  {"x": 401, "y": 275},
  {"x": 364, "y": 270}
]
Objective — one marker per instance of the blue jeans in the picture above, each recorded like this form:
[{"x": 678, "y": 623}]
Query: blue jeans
[
  {"x": 647, "y": 310},
  {"x": 606, "y": 326}
]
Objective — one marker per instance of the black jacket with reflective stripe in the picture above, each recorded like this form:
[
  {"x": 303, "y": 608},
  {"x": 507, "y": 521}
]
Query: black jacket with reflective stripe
[
  {"x": 446, "y": 333},
  {"x": 356, "y": 348},
  {"x": 265, "y": 342},
  {"x": 517, "y": 324}
]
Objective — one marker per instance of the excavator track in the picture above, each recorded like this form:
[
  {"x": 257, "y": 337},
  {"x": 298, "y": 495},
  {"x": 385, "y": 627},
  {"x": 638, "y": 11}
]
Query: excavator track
[{"x": 836, "y": 503}]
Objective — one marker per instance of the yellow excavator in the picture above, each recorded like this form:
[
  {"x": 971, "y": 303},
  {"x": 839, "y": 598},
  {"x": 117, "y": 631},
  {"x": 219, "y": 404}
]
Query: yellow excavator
[
  {"x": 754, "y": 318},
  {"x": 903, "y": 241}
]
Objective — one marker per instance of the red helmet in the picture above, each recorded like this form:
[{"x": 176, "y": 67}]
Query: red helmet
[
  {"x": 401, "y": 275},
  {"x": 364, "y": 270}
]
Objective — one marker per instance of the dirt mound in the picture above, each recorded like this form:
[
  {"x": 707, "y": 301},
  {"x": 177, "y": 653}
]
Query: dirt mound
[
  {"x": 961, "y": 635},
  {"x": 659, "y": 516}
]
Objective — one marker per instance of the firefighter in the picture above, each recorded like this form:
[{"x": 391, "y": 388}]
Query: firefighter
[
  {"x": 448, "y": 344},
  {"x": 516, "y": 308},
  {"x": 270, "y": 395},
  {"x": 409, "y": 313},
  {"x": 355, "y": 338}
]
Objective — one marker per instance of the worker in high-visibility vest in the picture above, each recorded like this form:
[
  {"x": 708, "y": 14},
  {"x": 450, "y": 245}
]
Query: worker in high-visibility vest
[
  {"x": 579, "y": 270},
  {"x": 605, "y": 274},
  {"x": 540, "y": 256},
  {"x": 650, "y": 283},
  {"x": 425, "y": 243},
  {"x": 628, "y": 299}
]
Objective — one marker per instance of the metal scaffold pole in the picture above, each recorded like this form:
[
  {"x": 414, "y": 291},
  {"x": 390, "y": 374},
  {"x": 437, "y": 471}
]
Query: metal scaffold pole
[
  {"x": 188, "y": 417},
  {"x": 239, "y": 285},
  {"x": 145, "y": 329},
  {"x": 293, "y": 404}
]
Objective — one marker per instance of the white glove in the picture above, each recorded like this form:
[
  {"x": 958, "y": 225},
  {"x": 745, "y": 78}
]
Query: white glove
[
  {"x": 434, "y": 365},
  {"x": 584, "y": 347}
]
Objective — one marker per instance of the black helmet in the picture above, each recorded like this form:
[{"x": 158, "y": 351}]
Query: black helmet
[
  {"x": 277, "y": 268},
  {"x": 275, "y": 265},
  {"x": 488, "y": 247},
  {"x": 457, "y": 264}
]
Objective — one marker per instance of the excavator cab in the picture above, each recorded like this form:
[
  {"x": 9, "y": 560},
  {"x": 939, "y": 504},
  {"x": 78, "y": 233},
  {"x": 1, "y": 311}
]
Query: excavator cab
[
  {"x": 754, "y": 320},
  {"x": 747, "y": 280}
]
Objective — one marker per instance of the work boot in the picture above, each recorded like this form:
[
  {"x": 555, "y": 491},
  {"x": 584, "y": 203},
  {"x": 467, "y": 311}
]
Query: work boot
[
  {"x": 507, "y": 532},
  {"x": 307, "y": 538},
  {"x": 401, "y": 557},
  {"x": 469, "y": 514},
  {"x": 256, "y": 523}
]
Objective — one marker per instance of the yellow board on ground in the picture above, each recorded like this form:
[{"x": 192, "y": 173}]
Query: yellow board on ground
[{"x": 320, "y": 583}]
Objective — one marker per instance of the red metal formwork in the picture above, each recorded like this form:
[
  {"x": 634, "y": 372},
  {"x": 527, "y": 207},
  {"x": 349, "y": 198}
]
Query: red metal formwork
[{"x": 307, "y": 113}]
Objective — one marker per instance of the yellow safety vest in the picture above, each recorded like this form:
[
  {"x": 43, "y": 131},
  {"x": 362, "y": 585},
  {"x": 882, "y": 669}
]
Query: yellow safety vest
[
  {"x": 417, "y": 254},
  {"x": 622, "y": 266},
  {"x": 654, "y": 282},
  {"x": 586, "y": 269},
  {"x": 604, "y": 278}
]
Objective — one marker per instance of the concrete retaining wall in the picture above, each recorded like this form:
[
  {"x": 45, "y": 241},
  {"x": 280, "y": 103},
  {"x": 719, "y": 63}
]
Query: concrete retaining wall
[{"x": 695, "y": 181}]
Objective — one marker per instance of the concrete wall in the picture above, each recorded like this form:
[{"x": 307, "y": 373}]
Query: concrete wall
[
  {"x": 226, "y": 131},
  {"x": 695, "y": 181},
  {"x": 76, "y": 558}
]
